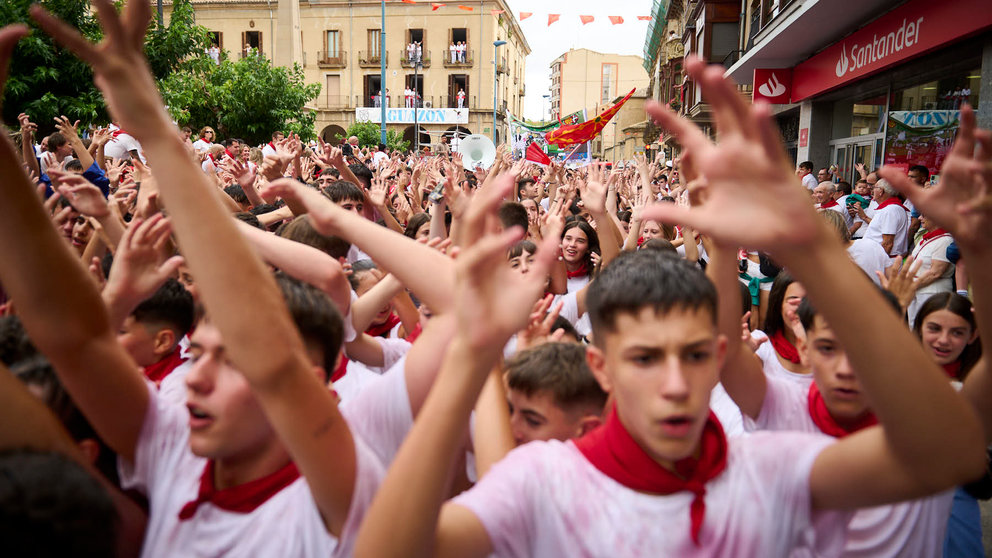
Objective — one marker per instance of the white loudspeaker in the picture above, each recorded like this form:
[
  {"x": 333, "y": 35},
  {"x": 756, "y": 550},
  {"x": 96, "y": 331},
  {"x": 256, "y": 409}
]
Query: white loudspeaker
[{"x": 477, "y": 150}]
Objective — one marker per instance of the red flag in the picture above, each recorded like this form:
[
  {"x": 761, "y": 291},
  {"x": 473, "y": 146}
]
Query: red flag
[
  {"x": 536, "y": 155},
  {"x": 643, "y": 18},
  {"x": 525, "y": 15},
  {"x": 553, "y": 18},
  {"x": 466, "y": 8},
  {"x": 586, "y": 19},
  {"x": 584, "y": 131},
  {"x": 408, "y": 1},
  {"x": 616, "y": 20},
  {"x": 436, "y": 5},
  {"x": 495, "y": 12}
]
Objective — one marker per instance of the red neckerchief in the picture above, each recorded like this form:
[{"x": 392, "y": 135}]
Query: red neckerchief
[
  {"x": 158, "y": 371},
  {"x": 229, "y": 154},
  {"x": 825, "y": 422},
  {"x": 934, "y": 234},
  {"x": 117, "y": 132},
  {"x": 243, "y": 498},
  {"x": 891, "y": 201},
  {"x": 828, "y": 204},
  {"x": 272, "y": 146},
  {"x": 612, "y": 450},
  {"x": 581, "y": 272},
  {"x": 952, "y": 369},
  {"x": 341, "y": 370},
  {"x": 415, "y": 333},
  {"x": 640, "y": 240},
  {"x": 384, "y": 328},
  {"x": 784, "y": 348}
]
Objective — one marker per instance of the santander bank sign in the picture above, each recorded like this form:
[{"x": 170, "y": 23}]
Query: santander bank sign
[
  {"x": 878, "y": 47},
  {"x": 912, "y": 29}
]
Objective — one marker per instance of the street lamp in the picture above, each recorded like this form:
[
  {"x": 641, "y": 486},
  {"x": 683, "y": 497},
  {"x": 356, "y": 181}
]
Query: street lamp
[{"x": 496, "y": 45}]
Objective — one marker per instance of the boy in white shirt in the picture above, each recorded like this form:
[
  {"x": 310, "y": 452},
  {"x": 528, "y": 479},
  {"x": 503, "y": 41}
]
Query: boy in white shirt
[{"x": 658, "y": 353}]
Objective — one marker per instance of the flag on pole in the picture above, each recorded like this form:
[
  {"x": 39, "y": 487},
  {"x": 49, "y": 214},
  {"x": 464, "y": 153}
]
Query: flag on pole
[
  {"x": 408, "y": 1},
  {"x": 616, "y": 20},
  {"x": 586, "y": 19},
  {"x": 536, "y": 155},
  {"x": 553, "y": 18},
  {"x": 525, "y": 15},
  {"x": 585, "y": 131}
]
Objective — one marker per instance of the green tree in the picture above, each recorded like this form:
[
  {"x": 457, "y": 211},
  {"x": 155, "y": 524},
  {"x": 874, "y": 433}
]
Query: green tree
[
  {"x": 47, "y": 81},
  {"x": 248, "y": 98},
  {"x": 368, "y": 134}
]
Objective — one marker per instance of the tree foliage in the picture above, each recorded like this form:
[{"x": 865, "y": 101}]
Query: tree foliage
[
  {"x": 47, "y": 81},
  {"x": 248, "y": 98},
  {"x": 368, "y": 134}
]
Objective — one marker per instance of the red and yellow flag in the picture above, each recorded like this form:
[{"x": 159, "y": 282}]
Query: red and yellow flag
[
  {"x": 584, "y": 131},
  {"x": 586, "y": 19}
]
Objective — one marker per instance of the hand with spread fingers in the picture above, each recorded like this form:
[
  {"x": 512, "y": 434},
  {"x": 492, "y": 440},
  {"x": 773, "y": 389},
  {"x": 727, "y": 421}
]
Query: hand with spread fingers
[
  {"x": 748, "y": 177},
  {"x": 961, "y": 202}
]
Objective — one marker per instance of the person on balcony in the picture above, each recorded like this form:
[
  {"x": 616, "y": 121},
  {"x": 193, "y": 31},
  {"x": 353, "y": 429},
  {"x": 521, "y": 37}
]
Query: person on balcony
[{"x": 461, "y": 98}]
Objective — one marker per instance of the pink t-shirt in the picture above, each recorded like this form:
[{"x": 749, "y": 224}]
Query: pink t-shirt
[
  {"x": 288, "y": 523},
  {"x": 545, "y": 499},
  {"x": 914, "y": 528}
]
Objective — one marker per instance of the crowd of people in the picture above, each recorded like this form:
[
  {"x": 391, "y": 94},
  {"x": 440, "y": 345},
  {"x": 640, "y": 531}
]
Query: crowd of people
[{"x": 216, "y": 349}]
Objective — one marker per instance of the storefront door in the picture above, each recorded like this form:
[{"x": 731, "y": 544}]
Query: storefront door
[{"x": 847, "y": 152}]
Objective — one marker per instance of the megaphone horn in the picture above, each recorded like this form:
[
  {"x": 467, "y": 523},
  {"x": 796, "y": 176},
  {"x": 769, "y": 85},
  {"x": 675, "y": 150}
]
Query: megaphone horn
[{"x": 477, "y": 150}]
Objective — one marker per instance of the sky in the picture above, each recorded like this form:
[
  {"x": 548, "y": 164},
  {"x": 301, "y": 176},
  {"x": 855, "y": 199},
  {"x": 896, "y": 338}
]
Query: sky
[{"x": 550, "y": 42}]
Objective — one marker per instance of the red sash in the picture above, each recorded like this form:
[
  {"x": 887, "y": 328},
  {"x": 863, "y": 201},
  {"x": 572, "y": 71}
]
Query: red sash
[
  {"x": 384, "y": 328},
  {"x": 828, "y": 204},
  {"x": 784, "y": 348},
  {"x": 891, "y": 201},
  {"x": 612, "y": 450},
  {"x": 243, "y": 498},
  {"x": 582, "y": 271},
  {"x": 825, "y": 422},
  {"x": 158, "y": 371}
]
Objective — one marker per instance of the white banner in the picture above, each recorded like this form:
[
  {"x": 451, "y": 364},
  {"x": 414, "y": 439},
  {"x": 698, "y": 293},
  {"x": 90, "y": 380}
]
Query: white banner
[{"x": 405, "y": 115}]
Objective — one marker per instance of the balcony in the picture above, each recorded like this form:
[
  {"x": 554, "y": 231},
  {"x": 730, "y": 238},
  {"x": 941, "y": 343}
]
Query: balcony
[
  {"x": 333, "y": 59},
  {"x": 371, "y": 59},
  {"x": 501, "y": 68},
  {"x": 465, "y": 62},
  {"x": 523, "y": 89},
  {"x": 326, "y": 101},
  {"x": 407, "y": 62}
]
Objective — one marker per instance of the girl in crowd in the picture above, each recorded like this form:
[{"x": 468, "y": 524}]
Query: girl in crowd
[
  {"x": 579, "y": 249},
  {"x": 780, "y": 356}
]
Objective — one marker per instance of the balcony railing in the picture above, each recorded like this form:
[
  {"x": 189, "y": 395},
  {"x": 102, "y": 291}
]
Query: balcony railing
[
  {"x": 408, "y": 62},
  {"x": 458, "y": 60},
  {"x": 428, "y": 101},
  {"x": 501, "y": 68},
  {"x": 332, "y": 59},
  {"x": 369, "y": 59},
  {"x": 326, "y": 101}
]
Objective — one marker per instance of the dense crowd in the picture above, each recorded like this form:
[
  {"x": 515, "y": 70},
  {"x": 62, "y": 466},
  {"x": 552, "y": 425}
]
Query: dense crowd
[{"x": 216, "y": 349}]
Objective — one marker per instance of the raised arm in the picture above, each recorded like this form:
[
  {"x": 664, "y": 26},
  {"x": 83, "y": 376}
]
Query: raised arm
[
  {"x": 929, "y": 440},
  {"x": 269, "y": 353}
]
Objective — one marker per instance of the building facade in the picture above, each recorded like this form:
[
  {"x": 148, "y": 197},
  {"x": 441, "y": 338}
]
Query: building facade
[
  {"x": 338, "y": 44},
  {"x": 583, "y": 79}
]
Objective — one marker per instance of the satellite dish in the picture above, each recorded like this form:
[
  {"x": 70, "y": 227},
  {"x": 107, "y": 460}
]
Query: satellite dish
[{"x": 477, "y": 150}]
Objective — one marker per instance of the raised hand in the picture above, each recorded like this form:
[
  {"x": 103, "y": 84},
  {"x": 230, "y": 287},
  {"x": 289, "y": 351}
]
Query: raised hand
[
  {"x": 538, "y": 330},
  {"x": 83, "y": 195},
  {"x": 901, "y": 281},
  {"x": 68, "y": 129},
  {"x": 961, "y": 202},
  {"x": 101, "y": 136},
  {"x": 378, "y": 192},
  {"x": 749, "y": 179},
  {"x": 28, "y": 128},
  {"x": 594, "y": 190},
  {"x": 140, "y": 265}
]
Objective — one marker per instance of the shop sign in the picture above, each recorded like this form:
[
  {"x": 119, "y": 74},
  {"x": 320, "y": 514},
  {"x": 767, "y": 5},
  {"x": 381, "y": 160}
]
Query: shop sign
[
  {"x": 804, "y": 137},
  {"x": 405, "y": 115},
  {"x": 772, "y": 85},
  {"x": 907, "y": 31}
]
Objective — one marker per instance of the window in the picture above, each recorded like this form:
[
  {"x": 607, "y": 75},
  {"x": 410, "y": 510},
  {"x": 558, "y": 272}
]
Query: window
[
  {"x": 251, "y": 42},
  {"x": 458, "y": 88},
  {"x": 609, "y": 76},
  {"x": 332, "y": 45},
  {"x": 216, "y": 39},
  {"x": 375, "y": 37}
]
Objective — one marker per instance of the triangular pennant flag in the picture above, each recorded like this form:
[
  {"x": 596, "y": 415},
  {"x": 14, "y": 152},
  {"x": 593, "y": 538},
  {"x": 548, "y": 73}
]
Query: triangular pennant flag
[
  {"x": 525, "y": 15},
  {"x": 466, "y": 8},
  {"x": 409, "y": 1},
  {"x": 586, "y": 19},
  {"x": 616, "y": 20},
  {"x": 436, "y": 5},
  {"x": 495, "y": 12},
  {"x": 643, "y": 18},
  {"x": 553, "y": 18},
  {"x": 536, "y": 155}
]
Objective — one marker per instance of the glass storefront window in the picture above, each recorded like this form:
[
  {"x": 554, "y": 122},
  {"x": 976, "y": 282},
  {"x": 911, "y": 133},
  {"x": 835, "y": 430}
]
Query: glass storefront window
[{"x": 867, "y": 116}]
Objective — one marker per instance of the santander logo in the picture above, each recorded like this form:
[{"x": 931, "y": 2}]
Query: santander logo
[
  {"x": 772, "y": 88},
  {"x": 878, "y": 48}
]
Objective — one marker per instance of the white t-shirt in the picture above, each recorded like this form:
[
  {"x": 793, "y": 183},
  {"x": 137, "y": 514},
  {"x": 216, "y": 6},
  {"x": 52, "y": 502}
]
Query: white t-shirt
[
  {"x": 870, "y": 257},
  {"x": 546, "y": 499},
  {"x": 809, "y": 181},
  {"x": 202, "y": 145},
  {"x": 869, "y": 212},
  {"x": 121, "y": 147},
  {"x": 772, "y": 366},
  {"x": 727, "y": 412},
  {"x": 570, "y": 311},
  {"x": 287, "y": 524},
  {"x": 914, "y": 528},
  {"x": 892, "y": 220},
  {"x": 267, "y": 150},
  {"x": 928, "y": 252}
]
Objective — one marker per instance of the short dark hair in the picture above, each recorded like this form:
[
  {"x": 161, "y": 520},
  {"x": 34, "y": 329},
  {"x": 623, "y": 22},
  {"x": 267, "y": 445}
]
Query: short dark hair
[
  {"x": 15, "y": 345},
  {"x": 647, "y": 279},
  {"x": 262, "y": 209},
  {"x": 661, "y": 244},
  {"x": 39, "y": 517},
  {"x": 513, "y": 214},
  {"x": 317, "y": 319},
  {"x": 807, "y": 312},
  {"x": 74, "y": 165},
  {"x": 417, "y": 221},
  {"x": 237, "y": 194},
  {"x": 520, "y": 247},
  {"x": 559, "y": 369},
  {"x": 300, "y": 230},
  {"x": 56, "y": 140},
  {"x": 171, "y": 306},
  {"x": 806, "y": 165},
  {"x": 362, "y": 173},
  {"x": 249, "y": 218},
  {"x": 844, "y": 187},
  {"x": 918, "y": 168},
  {"x": 523, "y": 183},
  {"x": 342, "y": 190}
]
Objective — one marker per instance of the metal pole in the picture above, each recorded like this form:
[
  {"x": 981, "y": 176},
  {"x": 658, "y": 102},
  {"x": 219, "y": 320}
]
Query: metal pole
[
  {"x": 495, "y": 48},
  {"x": 416, "y": 125},
  {"x": 382, "y": 77},
  {"x": 161, "y": 21}
]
